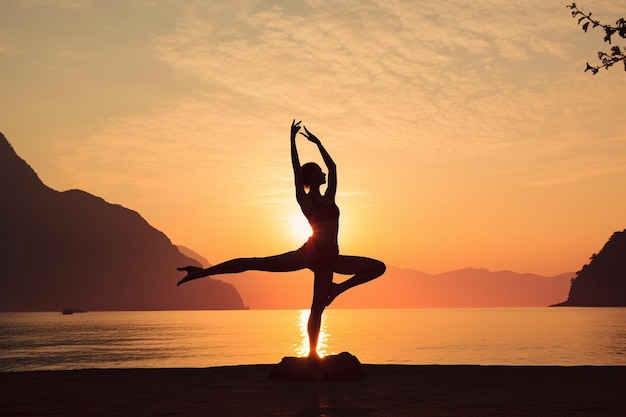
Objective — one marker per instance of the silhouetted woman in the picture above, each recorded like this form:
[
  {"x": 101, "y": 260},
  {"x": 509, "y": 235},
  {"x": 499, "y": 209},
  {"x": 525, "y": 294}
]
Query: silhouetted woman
[{"x": 320, "y": 253}]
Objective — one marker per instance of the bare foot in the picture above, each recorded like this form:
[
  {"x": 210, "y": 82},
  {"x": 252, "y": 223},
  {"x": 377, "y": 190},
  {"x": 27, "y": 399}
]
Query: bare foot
[
  {"x": 193, "y": 272},
  {"x": 314, "y": 356}
]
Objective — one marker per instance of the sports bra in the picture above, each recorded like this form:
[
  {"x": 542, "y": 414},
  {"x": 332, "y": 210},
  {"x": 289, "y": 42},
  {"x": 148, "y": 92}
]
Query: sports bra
[{"x": 320, "y": 212}]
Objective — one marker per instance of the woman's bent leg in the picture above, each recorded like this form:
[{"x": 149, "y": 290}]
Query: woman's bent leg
[{"x": 362, "y": 270}]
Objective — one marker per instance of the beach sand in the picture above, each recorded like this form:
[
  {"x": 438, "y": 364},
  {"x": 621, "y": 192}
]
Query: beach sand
[{"x": 386, "y": 390}]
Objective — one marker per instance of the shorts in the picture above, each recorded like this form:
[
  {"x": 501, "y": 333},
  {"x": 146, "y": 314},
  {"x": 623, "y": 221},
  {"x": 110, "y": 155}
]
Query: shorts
[{"x": 319, "y": 256}]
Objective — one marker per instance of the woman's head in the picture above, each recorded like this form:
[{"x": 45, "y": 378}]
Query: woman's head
[{"x": 312, "y": 175}]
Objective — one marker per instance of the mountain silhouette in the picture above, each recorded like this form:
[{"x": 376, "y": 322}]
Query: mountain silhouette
[
  {"x": 72, "y": 249},
  {"x": 407, "y": 288},
  {"x": 602, "y": 282}
]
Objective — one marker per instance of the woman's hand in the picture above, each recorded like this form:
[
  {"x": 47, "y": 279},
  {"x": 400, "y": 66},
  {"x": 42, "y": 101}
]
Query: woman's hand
[
  {"x": 295, "y": 128},
  {"x": 193, "y": 272},
  {"x": 310, "y": 136}
]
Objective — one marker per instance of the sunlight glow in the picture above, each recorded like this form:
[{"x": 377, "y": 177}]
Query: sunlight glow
[
  {"x": 303, "y": 349},
  {"x": 299, "y": 227}
]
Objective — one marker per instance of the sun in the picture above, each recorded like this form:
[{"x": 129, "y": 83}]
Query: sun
[{"x": 299, "y": 227}]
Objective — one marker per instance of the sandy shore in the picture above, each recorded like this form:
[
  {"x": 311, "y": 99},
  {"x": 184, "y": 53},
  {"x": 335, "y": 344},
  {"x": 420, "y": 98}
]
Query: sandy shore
[{"x": 386, "y": 390}]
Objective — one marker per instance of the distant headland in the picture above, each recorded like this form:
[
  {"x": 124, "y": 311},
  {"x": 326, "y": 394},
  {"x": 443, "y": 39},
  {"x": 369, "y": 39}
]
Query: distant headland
[
  {"x": 71, "y": 248},
  {"x": 601, "y": 282}
]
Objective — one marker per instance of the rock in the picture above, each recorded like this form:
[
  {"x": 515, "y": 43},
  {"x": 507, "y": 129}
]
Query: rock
[{"x": 341, "y": 367}]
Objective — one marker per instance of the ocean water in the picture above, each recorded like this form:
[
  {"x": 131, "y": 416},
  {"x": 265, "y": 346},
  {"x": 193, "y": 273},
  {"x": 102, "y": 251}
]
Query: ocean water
[{"x": 155, "y": 339}]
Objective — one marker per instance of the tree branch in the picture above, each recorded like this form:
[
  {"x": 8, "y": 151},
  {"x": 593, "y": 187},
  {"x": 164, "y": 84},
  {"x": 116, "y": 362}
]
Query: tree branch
[{"x": 616, "y": 53}]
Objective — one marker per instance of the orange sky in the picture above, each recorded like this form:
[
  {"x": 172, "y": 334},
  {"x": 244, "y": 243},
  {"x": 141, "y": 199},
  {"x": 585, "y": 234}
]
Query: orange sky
[{"x": 466, "y": 134}]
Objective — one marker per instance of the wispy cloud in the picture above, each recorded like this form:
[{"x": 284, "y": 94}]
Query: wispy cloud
[
  {"x": 388, "y": 66},
  {"x": 7, "y": 45},
  {"x": 441, "y": 79},
  {"x": 64, "y": 4},
  {"x": 579, "y": 160}
]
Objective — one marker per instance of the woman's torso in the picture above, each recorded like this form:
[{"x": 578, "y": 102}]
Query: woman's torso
[{"x": 323, "y": 216}]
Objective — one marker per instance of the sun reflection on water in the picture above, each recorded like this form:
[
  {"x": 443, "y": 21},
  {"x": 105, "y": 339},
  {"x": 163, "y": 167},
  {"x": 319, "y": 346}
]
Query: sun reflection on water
[{"x": 302, "y": 349}]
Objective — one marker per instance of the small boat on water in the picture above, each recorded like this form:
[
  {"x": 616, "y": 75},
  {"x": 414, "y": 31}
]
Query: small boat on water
[{"x": 72, "y": 311}]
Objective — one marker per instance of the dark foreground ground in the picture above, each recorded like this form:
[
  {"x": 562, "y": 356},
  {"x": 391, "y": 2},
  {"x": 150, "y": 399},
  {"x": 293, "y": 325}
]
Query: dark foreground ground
[{"x": 386, "y": 390}]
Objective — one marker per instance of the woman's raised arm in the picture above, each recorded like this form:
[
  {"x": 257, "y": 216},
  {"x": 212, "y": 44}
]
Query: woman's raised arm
[
  {"x": 331, "y": 188},
  {"x": 295, "y": 162}
]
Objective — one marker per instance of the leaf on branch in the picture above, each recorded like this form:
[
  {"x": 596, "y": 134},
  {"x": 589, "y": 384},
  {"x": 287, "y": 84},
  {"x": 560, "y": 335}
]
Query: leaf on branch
[
  {"x": 609, "y": 32},
  {"x": 581, "y": 19},
  {"x": 586, "y": 26},
  {"x": 616, "y": 51},
  {"x": 594, "y": 70}
]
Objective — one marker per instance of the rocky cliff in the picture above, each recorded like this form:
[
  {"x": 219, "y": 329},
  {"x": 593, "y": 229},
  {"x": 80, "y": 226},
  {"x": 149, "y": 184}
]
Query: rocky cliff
[
  {"x": 602, "y": 282},
  {"x": 74, "y": 250}
]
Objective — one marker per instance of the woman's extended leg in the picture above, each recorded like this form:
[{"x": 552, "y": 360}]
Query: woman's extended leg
[
  {"x": 286, "y": 262},
  {"x": 321, "y": 291},
  {"x": 362, "y": 270}
]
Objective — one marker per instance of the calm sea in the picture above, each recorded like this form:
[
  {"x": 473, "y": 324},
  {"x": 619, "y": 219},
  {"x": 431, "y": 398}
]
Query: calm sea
[{"x": 529, "y": 336}]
